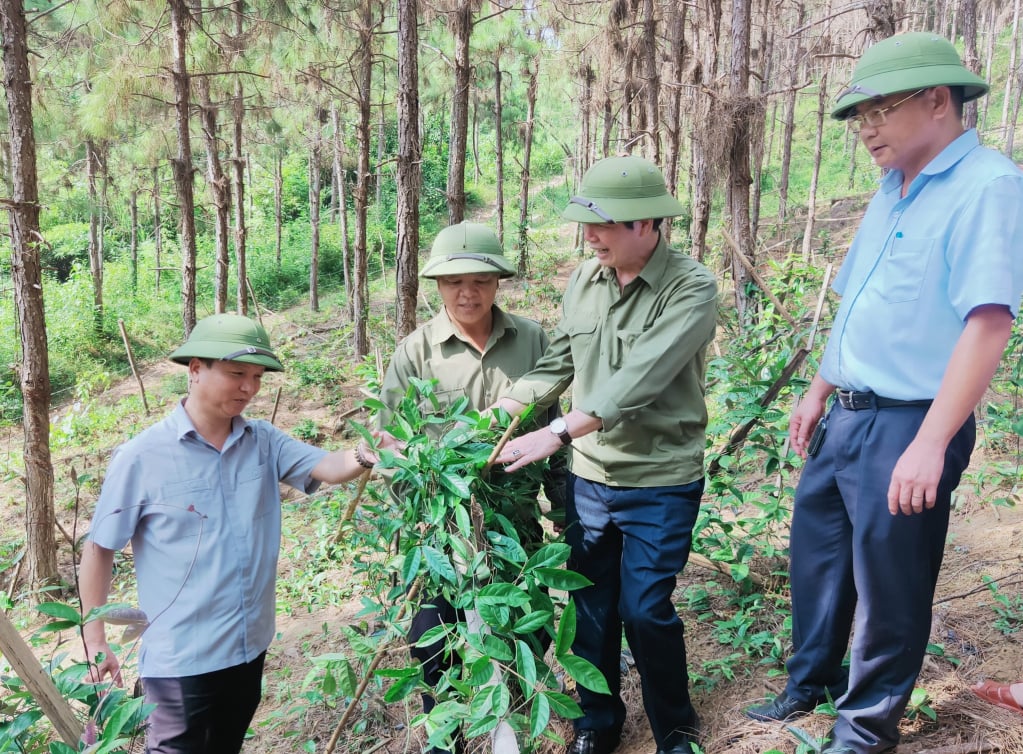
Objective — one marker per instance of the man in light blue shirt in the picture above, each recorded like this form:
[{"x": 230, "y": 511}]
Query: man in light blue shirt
[
  {"x": 929, "y": 290},
  {"x": 197, "y": 496}
]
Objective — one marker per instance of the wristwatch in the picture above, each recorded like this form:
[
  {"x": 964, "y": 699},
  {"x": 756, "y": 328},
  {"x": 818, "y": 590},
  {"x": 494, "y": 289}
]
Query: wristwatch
[{"x": 560, "y": 428}]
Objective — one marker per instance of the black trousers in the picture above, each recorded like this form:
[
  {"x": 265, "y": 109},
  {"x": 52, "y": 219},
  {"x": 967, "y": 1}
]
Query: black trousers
[
  {"x": 856, "y": 569},
  {"x": 203, "y": 714}
]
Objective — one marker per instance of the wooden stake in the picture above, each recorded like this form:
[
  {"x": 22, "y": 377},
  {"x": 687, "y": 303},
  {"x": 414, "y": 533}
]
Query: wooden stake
[
  {"x": 39, "y": 683},
  {"x": 255, "y": 302},
  {"x": 277, "y": 402},
  {"x": 500, "y": 445},
  {"x": 758, "y": 280},
  {"x": 131, "y": 363},
  {"x": 350, "y": 510}
]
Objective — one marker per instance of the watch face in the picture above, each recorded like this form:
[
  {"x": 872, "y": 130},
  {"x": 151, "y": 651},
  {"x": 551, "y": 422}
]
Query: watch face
[{"x": 558, "y": 426}]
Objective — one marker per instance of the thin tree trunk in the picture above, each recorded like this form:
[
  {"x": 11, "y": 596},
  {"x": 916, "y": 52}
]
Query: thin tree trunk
[
  {"x": 133, "y": 241},
  {"x": 410, "y": 175},
  {"x": 461, "y": 22},
  {"x": 240, "y": 232},
  {"x": 26, "y": 277},
  {"x": 220, "y": 193},
  {"x": 314, "y": 218},
  {"x": 342, "y": 217},
  {"x": 1010, "y": 77},
  {"x": 157, "y": 228},
  {"x": 605, "y": 139},
  {"x": 182, "y": 164},
  {"x": 811, "y": 202},
  {"x": 278, "y": 201},
  {"x": 95, "y": 232},
  {"x": 673, "y": 125},
  {"x": 795, "y": 55},
  {"x": 360, "y": 278},
  {"x": 653, "y": 81},
  {"x": 971, "y": 58},
  {"x": 991, "y": 35},
  {"x": 739, "y": 178},
  {"x": 499, "y": 144},
  {"x": 765, "y": 57},
  {"x": 533, "y": 67}
]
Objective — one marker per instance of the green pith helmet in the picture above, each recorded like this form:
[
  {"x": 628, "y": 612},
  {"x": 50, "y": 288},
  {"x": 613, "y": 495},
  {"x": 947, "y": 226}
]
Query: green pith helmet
[
  {"x": 228, "y": 337},
  {"x": 905, "y": 63},
  {"x": 466, "y": 249},
  {"x": 620, "y": 189}
]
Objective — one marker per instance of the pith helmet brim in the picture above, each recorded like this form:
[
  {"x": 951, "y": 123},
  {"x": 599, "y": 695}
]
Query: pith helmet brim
[
  {"x": 622, "y": 189},
  {"x": 228, "y": 337},
  {"x": 906, "y": 63}
]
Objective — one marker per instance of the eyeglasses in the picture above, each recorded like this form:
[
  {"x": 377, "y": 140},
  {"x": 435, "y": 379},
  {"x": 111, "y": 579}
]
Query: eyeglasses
[{"x": 877, "y": 116}]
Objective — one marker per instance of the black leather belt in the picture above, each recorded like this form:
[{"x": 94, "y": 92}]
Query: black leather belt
[{"x": 856, "y": 401}]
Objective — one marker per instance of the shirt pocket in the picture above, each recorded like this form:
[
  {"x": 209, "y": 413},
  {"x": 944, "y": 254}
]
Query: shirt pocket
[
  {"x": 181, "y": 511},
  {"x": 624, "y": 341},
  {"x": 905, "y": 268},
  {"x": 581, "y": 334},
  {"x": 251, "y": 502}
]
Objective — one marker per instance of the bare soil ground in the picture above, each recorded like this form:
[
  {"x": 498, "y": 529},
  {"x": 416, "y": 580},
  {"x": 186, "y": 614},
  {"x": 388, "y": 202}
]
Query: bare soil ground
[{"x": 984, "y": 540}]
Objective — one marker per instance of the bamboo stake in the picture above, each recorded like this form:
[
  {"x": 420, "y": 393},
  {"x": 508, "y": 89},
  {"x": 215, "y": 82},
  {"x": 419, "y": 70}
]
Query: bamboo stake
[
  {"x": 350, "y": 510},
  {"x": 412, "y": 594},
  {"x": 277, "y": 402},
  {"x": 131, "y": 363},
  {"x": 500, "y": 445},
  {"x": 255, "y": 301}
]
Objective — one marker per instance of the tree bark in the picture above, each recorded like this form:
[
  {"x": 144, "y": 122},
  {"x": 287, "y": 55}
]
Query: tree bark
[
  {"x": 240, "y": 232},
  {"x": 971, "y": 57},
  {"x": 278, "y": 201},
  {"x": 92, "y": 169},
  {"x": 1010, "y": 78},
  {"x": 360, "y": 281},
  {"x": 133, "y": 240},
  {"x": 533, "y": 67},
  {"x": 410, "y": 173},
  {"x": 499, "y": 144},
  {"x": 342, "y": 201},
  {"x": 182, "y": 164},
  {"x": 220, "y": 193},
  {"x": 652, "y": 83},
  {"x": 314, "y": 217},
  {"x": 461, "y": 26},
  {"x": 673, "y": 119},
  {"x": 26, "y": 277},
  {"x": 794, "y": 65},
  {"x": 739, "y": 178},
  {"x": 811, "y": 201},
  {"x": 157, "y": 227}
]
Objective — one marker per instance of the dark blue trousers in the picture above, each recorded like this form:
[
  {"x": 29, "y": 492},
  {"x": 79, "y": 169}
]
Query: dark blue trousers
[
  {"x": 855, "y": 568},
  {"x": 203, "y": 714},
  {"x": 631, "y": 542}
]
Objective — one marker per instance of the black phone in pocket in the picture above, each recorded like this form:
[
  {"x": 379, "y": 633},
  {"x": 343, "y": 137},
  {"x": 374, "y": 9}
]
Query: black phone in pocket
[{"x": 817, "y": 438}]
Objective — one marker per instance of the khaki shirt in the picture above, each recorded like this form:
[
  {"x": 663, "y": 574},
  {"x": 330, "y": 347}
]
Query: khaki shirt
[
  {"x": 437, "y": 351},
  {"x": 635, "y": 359}
]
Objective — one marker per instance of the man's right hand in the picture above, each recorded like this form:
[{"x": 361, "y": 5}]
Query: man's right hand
[{"x": 107, "y": 667}]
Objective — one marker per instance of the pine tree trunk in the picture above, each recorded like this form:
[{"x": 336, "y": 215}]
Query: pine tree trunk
[
  {"x": 651, "y": 70},
  {"x": 499, "y": 144},
  {"x": 410, "y": 173},
  {"x": 314, "y": 218},
  {"x": 92, "y": 168},
  {"x": 220, "y": 193},
  {"x": 238, "y": 159},
  {"x": 739, "y": 178},
  {"x": 795, "y": 55},
  {"x": 811, "y": 202},
  {"x": 342, "y": 217},
  {"x": 533, "y": 68},
  {"x": 360, "y": 277},
  {"x": 461, "y": 27},
  {"x": 182, "y": 164},
  {"x": 971, "y": 58},
  {"x": 278, "y": 201},
  {"x": 1011, "y": 76},
  {"x": 673, "y": 124},
  {"x": 26, "y": 277},
  {"x": 157, "y": 228},
  {"x": 133, "y": 240}
]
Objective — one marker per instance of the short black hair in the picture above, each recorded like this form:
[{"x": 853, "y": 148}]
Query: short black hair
[
  {"x": 657, "y": 223},
  {"x": 958, "y": 95}
]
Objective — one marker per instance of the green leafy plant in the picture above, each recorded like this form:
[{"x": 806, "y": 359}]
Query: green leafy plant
[
  {"x": 920, "y": 704},
  {"x": 1008, "y": 608}
]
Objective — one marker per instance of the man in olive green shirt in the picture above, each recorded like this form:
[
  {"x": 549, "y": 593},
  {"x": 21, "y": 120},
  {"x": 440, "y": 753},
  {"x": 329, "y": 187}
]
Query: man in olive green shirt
[
  {"x": 637, "y": 320},
  {"x": 472, "y": 349}
]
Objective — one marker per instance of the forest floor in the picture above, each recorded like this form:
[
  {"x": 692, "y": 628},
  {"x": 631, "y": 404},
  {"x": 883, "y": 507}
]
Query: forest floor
[{"x": 983, "y": 540}]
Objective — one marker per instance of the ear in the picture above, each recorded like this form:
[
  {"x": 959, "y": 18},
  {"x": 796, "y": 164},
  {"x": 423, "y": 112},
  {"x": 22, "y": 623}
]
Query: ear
[
  {"x": 194, "y": 365},
  {"x": 940, "y": 98},
  {"x": 644, "y": 226}
]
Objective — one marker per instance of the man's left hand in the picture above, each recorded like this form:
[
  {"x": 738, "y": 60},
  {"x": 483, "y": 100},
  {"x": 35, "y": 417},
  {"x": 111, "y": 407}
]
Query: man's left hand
[{"x": 914, "y": 484}]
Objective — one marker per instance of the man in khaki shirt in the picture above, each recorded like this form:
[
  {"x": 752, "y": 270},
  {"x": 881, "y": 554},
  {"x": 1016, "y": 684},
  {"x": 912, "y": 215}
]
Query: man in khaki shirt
[{"x": 637, "y": 319}]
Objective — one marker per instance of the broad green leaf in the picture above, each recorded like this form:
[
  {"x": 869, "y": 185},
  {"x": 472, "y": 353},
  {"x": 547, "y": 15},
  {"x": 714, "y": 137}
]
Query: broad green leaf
[
  {"x": 502, "y": 594},
  {"x": 62, "y": 611},
  {"x": 456, "y": 484},
  {"x": 563, "y": 705},
  {"x": 549, "y": 556},
  {"x": 525, "y": 664},
  {"x": 539, "y": 715},
  {"x": 435, "y": 634},
  {"x": 439, "y": 565},
  {"x": 531, "y": 622},
  {"x": 402, "y": 688},
  {"x": 561, "y": 579},
  {"x": 566, "y": 630},
  {"x": 481, "y": 671},
  {"x": 410, "y": 566},
  {"x": 497, "y": 648},
  {"x": 495, "y": 616},
  {"x": 585, "y": 673},
  {"x": 482, "y": 726}
]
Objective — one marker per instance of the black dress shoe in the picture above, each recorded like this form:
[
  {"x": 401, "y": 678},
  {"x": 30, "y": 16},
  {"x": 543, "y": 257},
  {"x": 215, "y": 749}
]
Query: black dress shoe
[
  {"x": 781, "y": 709},
  {"x": 686, "y": 741},
  {"x": 594, "y": 742}
]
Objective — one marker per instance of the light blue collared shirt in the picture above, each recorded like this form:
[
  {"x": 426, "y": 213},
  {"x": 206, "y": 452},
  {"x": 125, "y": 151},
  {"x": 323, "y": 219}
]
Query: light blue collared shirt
[
  {"x": 205, "y": 528},
  {"x": 920, "y": 264}
]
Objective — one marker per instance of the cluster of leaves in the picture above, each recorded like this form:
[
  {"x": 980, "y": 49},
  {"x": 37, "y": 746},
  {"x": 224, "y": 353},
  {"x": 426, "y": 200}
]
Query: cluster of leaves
[
  {"x": 115, "y": 717},
  {"x": 476, "y": 541}
]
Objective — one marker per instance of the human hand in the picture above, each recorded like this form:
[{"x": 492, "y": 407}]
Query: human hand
[
  {"x": 386, "y": 441},
  {"x": 915, "y": 478},
  {"x": 802, "y": 423},
  {"x": 534, "y": 446},
  {"x": 106, "y": 667}
]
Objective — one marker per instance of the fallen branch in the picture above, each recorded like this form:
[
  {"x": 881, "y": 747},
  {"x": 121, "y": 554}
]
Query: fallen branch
[
  {"x": 716, "y": 565},
  {"x": 350, "y": 510},
  {"x": 980, "y": 748},
  {"x": 131, "y": 363},
  {"x": 757, "y": 279}
]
